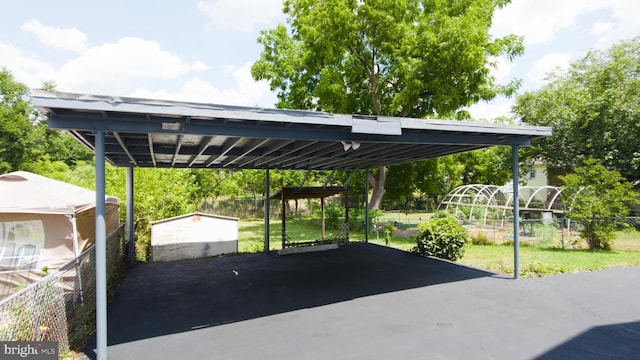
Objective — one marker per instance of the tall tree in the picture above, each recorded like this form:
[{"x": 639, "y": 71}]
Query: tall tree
[
  {"x": 600, "y": 200},
  {"x": 15, "y": 124},
  {"x": 594, "y": 110},
  {"x": 414, "y": 58},
  {"x": 25, "y": 140}
]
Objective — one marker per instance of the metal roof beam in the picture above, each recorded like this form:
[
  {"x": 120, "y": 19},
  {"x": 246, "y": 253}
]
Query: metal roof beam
[
  {"x": 296, "y": 148},
  {"x": 124, "y": 147},
  {"x": 303, "y": 156},
  {"x": 278, "y": 131},
  {"x": 269, "y": 152},
  {"x": 204, "y": 145},
  {"x": 247, "y": 152},
  {"x": 214, "y": 158},
  {"x": 153, "y": 156},
  {"x": 178, "y": 145}
]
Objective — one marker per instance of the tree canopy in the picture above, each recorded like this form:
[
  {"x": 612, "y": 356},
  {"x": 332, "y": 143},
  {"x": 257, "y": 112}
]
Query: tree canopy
[
  {"x": 25, "y": 141},
  {"x": 594, "y": 110},
  {"x": 600, "y": 200},
  {"x": 15, "y": 123},
  {"x": 413, "y": 58}
]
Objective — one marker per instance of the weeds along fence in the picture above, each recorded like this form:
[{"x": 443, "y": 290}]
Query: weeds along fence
[
  {"x": 61, "y": 306},
  {"x": 557, "y": 232}
]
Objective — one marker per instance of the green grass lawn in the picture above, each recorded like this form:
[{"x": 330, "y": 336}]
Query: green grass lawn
[{"x": 536, "y": 259}]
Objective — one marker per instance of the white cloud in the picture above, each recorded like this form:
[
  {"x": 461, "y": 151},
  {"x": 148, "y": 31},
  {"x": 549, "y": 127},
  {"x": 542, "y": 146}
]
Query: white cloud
[
  {"x": 25, "y": 69},
  {"x": 115, "y": 67},
  {"x": 502, "y": 70},
  {"x": 67, "y": 39},
  {"x": 500, "y": 106},
  {"x": 625, "y": 13},
  {"x": 540, "y": 20},
  {"x": 602, "y": 27},
  {"x": 244, "y": 92},
  {"x": 547, "y": 64},
  {"x": 242, "y": 15}
]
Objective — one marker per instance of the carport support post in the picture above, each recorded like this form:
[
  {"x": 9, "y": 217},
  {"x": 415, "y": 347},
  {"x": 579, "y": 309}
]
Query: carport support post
[
  {"x": 284, "y": 218},
  {"x": 130, "y": 232},
  {"x": 516, "y": 213},
  {"x": 101, "y": 250},
  {"x": 267, "y": 197},
  {"x": 366, "y": 206}
]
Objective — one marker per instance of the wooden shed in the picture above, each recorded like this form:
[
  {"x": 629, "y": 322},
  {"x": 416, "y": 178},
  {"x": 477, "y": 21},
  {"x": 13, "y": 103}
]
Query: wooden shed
[{"x": 193, "y": 235}]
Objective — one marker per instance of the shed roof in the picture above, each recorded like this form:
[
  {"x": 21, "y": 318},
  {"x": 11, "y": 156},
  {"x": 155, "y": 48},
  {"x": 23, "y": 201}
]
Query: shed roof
[
  {"x": 158, "y": 133},
  {"x": 196, "y": 214}
]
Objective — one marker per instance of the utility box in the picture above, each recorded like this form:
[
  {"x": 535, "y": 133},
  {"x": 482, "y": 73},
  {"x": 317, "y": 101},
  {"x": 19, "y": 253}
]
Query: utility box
[{"x": 193, "y": 235}]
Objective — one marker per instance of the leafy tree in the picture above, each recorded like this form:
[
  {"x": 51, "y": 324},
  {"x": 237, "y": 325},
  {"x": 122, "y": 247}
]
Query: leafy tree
[
  {"x": 414, "y": 58},
  {"x": 429, "y": 178},
  {"x": 487, "y": 166},
  {"x": 15, "y": 125},
  {"x": 25, "y": 140},
  {"x": 600, "y": 199},
  {"x": 436, "y": 177},
  {"x": 594, "y": 110},
  {"x": 252, "y": 182}
]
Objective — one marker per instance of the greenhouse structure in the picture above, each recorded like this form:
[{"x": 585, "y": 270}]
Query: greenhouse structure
[{"x": 480, "y": 204}]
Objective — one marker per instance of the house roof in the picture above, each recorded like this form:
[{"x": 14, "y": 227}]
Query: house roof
[{"x": 158, "y": 133}]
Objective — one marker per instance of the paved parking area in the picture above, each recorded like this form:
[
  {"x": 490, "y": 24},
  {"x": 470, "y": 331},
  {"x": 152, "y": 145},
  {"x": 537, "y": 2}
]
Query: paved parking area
[{"x": 364, "y": 301}]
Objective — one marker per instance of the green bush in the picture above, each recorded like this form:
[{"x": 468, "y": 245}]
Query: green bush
[
  {"x": 545, "y": 233},
  {"x": 481, "y": 238},
  {"x": 333, "y": 215},
  {"x": 442, "y": 237}
]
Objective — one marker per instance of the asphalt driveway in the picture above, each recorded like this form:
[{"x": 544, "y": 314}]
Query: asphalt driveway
[{"x": 364, "y": 301}]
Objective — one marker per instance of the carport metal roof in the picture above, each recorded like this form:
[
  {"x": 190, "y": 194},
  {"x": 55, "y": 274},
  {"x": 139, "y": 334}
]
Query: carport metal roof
[
  {"x": 153, "y": 133},
  {"x": 157, "y": 133}
]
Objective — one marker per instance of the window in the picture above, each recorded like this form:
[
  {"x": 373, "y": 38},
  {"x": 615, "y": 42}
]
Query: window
[{"x": 20, "y": 243}]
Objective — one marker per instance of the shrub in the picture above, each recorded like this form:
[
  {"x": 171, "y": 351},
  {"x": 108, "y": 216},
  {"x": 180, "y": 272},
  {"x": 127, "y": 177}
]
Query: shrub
[
  {"x": 481, "y": 238},
  {"x": 333, "y": 215},
  {"x": 442, "y": 237},
  {"x": 545, "y": 234}
]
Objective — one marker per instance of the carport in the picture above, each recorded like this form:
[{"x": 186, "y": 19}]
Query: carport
[{"x": 130, "y": 132}]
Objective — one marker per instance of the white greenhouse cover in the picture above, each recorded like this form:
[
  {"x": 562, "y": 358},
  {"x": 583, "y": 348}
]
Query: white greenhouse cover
[{"x": 25, "y": 192}]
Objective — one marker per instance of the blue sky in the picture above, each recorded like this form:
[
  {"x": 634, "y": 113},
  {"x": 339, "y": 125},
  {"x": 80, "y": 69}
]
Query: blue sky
[{"x": 202, "y": 50}]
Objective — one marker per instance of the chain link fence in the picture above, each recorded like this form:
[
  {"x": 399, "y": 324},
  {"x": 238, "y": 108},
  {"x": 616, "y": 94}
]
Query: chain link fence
[
  {"x": 561, "y": 232},
  {"x": 61, "y": 306}
]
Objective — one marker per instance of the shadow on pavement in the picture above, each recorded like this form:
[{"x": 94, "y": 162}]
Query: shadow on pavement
[
  {"x": 617, "y": 341},
  {"x": 164, "y": 298}
]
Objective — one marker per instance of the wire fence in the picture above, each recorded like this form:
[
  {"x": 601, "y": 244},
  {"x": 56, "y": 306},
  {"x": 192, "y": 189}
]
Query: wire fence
[
  {"x": 61, "y": 306},
  {"x": 561, "y": 232}
]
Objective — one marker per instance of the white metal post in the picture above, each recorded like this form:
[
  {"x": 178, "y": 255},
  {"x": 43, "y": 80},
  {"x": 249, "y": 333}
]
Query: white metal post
[{"x": 101, "y": 250}]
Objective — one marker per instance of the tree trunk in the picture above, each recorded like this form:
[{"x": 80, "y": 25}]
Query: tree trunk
[{"x": 377, "y": 183}]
